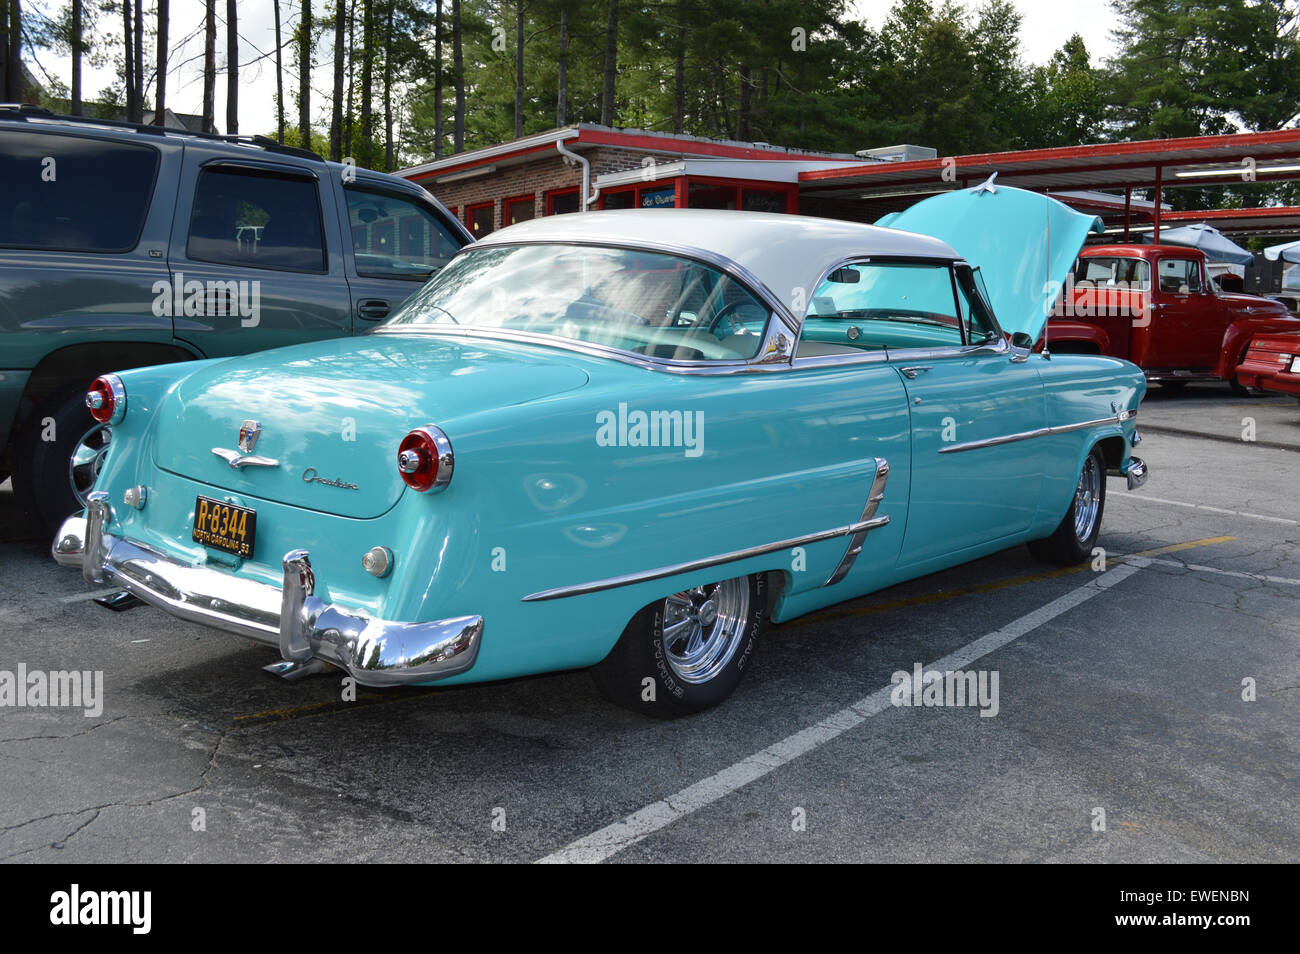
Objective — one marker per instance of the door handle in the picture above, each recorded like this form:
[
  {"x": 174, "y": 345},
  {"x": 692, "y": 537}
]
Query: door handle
[
  {"x": 373, "y": 309},
  {"x": 911, "y": 373}
]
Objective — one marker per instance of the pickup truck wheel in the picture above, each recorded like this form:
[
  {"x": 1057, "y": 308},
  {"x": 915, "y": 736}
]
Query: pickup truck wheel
[
  {"x": 687, "y": 652},
  {"x": 42, "y": 481},
  {"x": 1072, "y": 541}
]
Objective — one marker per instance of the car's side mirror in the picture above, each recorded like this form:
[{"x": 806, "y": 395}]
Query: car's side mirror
[{"x": 1021, "y": 346}]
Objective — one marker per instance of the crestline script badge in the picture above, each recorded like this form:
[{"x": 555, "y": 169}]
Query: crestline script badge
[{"x": 309, "y": 476}]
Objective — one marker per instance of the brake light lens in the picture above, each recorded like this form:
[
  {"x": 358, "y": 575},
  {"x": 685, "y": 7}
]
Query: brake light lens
[
  {"x": 425, "y": 460},
  {"x": 106, "y": 399}
]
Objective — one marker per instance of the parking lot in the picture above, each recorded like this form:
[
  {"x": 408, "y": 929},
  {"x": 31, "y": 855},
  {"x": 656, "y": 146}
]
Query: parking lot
[{"x": 1120, "y": 691}]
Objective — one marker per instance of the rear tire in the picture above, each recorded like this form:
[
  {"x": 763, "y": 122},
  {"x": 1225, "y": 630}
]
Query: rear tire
[
  {"x": 1071, "y": 543},
  {"x": 40, "y": 472},
  {"x": 688, "y": 652}
]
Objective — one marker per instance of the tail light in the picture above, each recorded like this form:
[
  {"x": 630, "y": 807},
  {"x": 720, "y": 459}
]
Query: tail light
[
  {"x": 106, "y": 399},
  {"x": 425, "y": 460}
]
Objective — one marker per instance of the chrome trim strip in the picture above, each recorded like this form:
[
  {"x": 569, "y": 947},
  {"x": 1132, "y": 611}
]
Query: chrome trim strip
[
  {"x": 629, "y": 579},
  {"x": 1039, "y": 432},
  {"x": 876, "y": 495}
]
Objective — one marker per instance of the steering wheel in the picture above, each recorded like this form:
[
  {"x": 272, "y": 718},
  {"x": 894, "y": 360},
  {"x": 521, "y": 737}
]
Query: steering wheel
[{"x": 724, "y": 312}]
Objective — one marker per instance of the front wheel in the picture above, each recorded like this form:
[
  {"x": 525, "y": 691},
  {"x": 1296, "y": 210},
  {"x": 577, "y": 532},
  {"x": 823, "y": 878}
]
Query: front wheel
[
  {"x": 687, "y": 652},
  {"x": 1072, "y": 541}
]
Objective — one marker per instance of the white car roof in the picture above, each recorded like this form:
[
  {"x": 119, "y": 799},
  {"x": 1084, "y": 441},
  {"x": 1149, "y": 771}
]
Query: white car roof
[{"x": 787, "y": 253}]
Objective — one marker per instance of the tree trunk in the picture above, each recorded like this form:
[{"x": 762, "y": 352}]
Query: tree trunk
[
  {"x": 562, "y": 98},
  {"x": 679, "y": 72},
  {"x": 279, "y": 78},
  {"x": 611, "y": 66},
  {"x": 232, "y": 69},
  {"x": 746, "y": 95},
  {"x": 352, "y": 76},
  {"x": 139, "y": 61},
  {"x": 437, "y": 80},
  {"x": 389, "y": 152},
  {"x": 366, "y": 146},
  {"x": 210, "y": 66},
  {"x": 340, "y": 51},
  {"x": 128, "y": 60},
  {"x": 76, "y": 56},
  {"x": 458, "y": 71},
  {"x": 160, "y": 93},
  {"x": 304, "y": 76},
  {"x": 519, "y": 68}
]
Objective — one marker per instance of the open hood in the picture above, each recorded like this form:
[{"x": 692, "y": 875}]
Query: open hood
[{"x": 1023, "y": 243}]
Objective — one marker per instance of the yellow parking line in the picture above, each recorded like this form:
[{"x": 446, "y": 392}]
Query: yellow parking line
[{"x": 331, "y": 706}]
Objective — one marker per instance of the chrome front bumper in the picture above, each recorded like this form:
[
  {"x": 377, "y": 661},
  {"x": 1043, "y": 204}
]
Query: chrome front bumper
[
  {"x": 1136, "y": 472},
  {"x": 375, "y": 652}
]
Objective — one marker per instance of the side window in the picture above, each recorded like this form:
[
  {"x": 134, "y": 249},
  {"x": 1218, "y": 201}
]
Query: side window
[
  {"x": 257, "y": 219},
  {"x": 980, "y": 326},
  {"x": 395, "y": 237},
  {"x": 73, "y": 194},
  {"x": 1179, "y": 276},
  {"x": 888, "y": 304}
]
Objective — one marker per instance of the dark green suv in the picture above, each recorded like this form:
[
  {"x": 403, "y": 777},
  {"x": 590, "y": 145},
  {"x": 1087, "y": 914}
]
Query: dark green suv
[{"x": 124, "y": 245}]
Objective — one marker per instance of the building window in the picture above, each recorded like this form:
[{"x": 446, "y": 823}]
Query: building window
[
  {"x": 479, "y": 218},
  {"x": 623, "y": 199},
  {"x": 519, "y": 210},
  {"x": 658, "y": 198},
  {"x": 762, "y": 200},
  {"x": 561, "y": 201},
  {"x": 711, "y": 196}
]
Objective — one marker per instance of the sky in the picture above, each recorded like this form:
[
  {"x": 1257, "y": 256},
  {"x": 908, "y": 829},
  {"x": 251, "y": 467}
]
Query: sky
[{"x": 1047, "y": 25}]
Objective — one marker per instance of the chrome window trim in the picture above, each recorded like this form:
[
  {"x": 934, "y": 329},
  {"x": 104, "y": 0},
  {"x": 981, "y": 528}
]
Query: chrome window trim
[
  {"x": 690, "y": 566},
  {"x": 771, "y": 355},
  {"x": 1119, "y": 418}
]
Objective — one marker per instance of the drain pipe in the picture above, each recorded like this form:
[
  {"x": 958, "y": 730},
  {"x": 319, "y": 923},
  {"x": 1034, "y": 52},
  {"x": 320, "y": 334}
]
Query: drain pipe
[{"x": 570, "y": 157}]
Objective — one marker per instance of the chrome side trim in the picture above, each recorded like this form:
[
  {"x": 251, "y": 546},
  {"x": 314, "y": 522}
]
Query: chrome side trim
[
  {"x": 1119, "y": 418},
  {"x": 239, "y": 461},
  {"x": 868, "y": 517},
  {"x": 630, "y": 579}
]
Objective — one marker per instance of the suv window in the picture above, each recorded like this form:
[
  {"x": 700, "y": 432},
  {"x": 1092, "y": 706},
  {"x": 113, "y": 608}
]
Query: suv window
[
  {"x": 1179, "y": 276},
  {"x": 73, "y": 194},
  {"x": 256, "y": 218},
  {"x": 395, "y": 237}
]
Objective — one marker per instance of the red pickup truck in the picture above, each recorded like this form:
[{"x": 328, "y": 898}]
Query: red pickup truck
[{"x": 1156, "y": 306}]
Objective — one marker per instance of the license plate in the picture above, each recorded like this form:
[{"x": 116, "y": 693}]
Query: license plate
[
  {"x": 1295, "y": 364},
  {"x": 224, "y": 526}
]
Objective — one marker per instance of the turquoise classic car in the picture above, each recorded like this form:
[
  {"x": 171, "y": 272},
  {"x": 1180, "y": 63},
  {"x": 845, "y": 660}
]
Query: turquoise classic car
[{"x": 625, "y": 441}]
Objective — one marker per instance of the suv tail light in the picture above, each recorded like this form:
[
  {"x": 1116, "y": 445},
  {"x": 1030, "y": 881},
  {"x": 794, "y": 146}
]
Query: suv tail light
[
  {"x": 425, "y": 460},
  {"x": 106, "y": 399}
]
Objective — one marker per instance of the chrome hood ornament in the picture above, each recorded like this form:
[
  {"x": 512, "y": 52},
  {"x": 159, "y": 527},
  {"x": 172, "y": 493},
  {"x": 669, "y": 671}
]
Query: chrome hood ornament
[{"x": 249, "y": 432}]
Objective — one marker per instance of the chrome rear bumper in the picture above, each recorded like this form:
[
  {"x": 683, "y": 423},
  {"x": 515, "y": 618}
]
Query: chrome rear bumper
[
  {"x": 375, "y": 652},
  {"x": 1136, "y": 472}
]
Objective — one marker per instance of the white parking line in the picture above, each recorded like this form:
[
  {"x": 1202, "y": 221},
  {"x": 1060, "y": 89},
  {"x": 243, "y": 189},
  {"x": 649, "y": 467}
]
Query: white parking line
[
  {"x": 611, "y": 839},
  {"x": 1237, "y": 574},
  {"x": 1205, "y": 507}
]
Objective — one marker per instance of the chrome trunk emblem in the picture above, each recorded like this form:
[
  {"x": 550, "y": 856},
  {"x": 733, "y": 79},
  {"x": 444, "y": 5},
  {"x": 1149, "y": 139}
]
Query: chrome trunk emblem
[{"x": 249, "y": 431}]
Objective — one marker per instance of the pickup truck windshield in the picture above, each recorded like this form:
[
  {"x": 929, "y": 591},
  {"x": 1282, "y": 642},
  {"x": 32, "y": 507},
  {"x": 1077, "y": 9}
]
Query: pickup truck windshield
[{"x": 642, "y": 302}]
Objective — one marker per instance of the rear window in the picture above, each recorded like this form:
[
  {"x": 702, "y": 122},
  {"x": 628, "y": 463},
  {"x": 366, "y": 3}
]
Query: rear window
[
  {"x": 69, "y": 193},
  {"x": 1107, "y": 270}
]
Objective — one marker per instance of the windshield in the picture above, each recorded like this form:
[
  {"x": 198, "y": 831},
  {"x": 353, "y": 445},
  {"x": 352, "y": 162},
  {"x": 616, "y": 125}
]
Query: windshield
[{"x": 643, "y": 302}]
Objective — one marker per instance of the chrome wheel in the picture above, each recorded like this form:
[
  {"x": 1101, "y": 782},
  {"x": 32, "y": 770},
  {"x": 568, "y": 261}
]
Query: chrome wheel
[
  {"x": 1087, "y": 500},
  {"x": 87, "y": 458},
  {"x": 703, "y": 627}
]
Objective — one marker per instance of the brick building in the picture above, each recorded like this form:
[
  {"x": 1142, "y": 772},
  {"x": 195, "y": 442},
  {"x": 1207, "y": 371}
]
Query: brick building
[{"x": 499, "y": 185}]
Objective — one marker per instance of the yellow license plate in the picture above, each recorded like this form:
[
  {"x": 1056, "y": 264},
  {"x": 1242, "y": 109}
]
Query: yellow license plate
[{"x": 224, "y": 526}]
